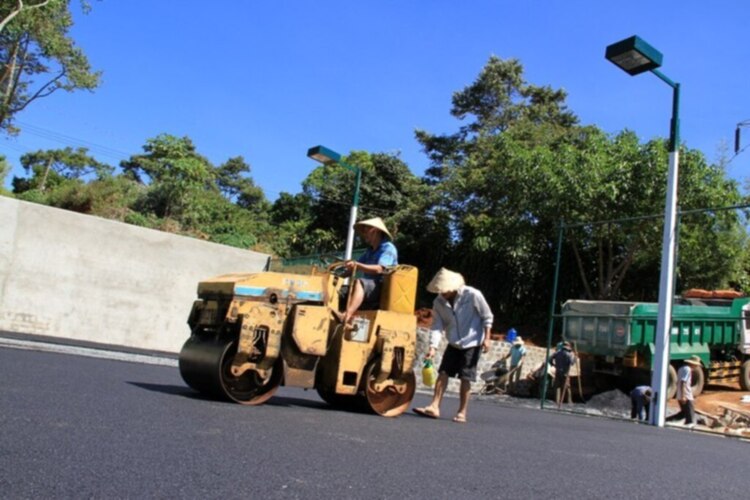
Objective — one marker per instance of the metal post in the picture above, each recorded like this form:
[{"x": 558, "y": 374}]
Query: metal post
[
  {"x": 352, "y": 213},
  {"x": 666, "y": 277},
  {"x": 543, "y": 394}
]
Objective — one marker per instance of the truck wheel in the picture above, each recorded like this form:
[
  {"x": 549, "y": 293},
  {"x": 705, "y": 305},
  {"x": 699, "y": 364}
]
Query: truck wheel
[
  {"x": 699, "y": 380},
  {"x": 671, "y": 382},
  {"x": 745, "y": 375}
]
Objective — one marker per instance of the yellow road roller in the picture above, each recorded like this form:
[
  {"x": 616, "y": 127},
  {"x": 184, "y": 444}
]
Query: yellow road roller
[{"x": 251, "y": 333}]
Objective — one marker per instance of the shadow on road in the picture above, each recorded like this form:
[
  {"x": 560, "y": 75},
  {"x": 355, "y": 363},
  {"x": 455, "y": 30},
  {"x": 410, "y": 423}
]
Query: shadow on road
[
  {"x": 177, "y": 390},
  {"x": 300, "y": 402},
  {"x": 276, "y": 400}
]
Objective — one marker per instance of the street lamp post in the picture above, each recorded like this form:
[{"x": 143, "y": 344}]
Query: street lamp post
[
  {"x": 635, "y": 56},
  {"x": 329, "y": 157}
]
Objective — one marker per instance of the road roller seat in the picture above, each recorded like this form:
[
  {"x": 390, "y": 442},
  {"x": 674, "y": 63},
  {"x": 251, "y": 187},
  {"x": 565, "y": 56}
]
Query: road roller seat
[{"x": 399, "y": 290}]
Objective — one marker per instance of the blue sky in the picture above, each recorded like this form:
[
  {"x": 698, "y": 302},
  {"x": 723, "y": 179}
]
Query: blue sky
[{"x": 266, "y": 80}]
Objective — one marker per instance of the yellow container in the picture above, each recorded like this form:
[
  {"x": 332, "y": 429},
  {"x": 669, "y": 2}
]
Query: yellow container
[
  {"x": 428, "y": 373},
  {"x": 399, "y": 292}
]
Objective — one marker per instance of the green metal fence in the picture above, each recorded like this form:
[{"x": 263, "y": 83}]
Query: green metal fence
[
  {"x": 305, "y": 264},
  {"x": 564, "y": 227}
]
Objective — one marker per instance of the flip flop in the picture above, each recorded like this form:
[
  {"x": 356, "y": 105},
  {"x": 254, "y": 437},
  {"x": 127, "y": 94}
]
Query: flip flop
[
  {"x": 426, "y": 412},
  {"x": 460, "y": 418}
]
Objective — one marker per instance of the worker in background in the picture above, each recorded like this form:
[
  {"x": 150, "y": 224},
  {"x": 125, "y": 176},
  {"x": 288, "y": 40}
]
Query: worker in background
[
  {"x": 562, "y": 360},
  {"x": 462, "y": 314},
  {"x": 380, "y": 254},
  {"x": 516, "y": 354},
  {"x": 640, "y": 402},
  {"x": 684, "y": 394}
]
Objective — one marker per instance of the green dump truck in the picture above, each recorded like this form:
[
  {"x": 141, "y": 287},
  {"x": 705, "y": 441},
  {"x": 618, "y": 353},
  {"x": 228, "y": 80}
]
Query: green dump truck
[{"x": 618, "y": 338}]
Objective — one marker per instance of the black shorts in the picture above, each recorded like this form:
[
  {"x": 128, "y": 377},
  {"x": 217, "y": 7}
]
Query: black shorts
[
  {"x": 372, "y": 290},
  {"x": 461, "y": 363},
  {"x": 371, "y": 300}
]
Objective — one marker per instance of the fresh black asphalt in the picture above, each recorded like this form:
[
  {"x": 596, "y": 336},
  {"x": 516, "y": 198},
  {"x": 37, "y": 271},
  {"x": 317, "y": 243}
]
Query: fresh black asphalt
[{"x": 77, "y": 427}]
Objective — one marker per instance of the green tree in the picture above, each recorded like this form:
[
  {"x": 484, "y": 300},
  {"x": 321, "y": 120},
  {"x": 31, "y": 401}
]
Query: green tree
[
  {"x": 176, "y": 174},
  {"x": 290, "y": 217},
  {"x": 234, "y": 182},
  {"x": 498, "y": 99},
  {"x": 489, "y": 232},
  {"x": 56, "y": 165},
  {"x": 521, "y": 165},
  {"x": 4, "y": 170},
  {"x": 184, "y": 193},
  {"x": 38, "y": 56},
  {"x": 388, "y": 190}
]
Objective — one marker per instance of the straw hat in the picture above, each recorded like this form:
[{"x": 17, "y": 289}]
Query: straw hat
[
  {"x": 445, "y": 281},
  {"x": 694, "y": 360},
  {"x": 375, "y": 222},
  {"x": 518, "y": 341}
]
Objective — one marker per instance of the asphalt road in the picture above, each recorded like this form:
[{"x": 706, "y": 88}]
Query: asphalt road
[{"x": 79, "y": 427}]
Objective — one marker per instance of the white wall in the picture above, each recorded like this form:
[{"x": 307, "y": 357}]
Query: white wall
[{"x": 63, "y": 274}]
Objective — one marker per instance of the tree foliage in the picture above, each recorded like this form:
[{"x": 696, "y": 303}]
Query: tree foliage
[
  {"x": 38, "y": 56},
  {"x": 491, "y": 204},
  {"x": 521, "y": 165},
  {"x": 57, "y": 165},
  {"x": 388, "y": 189}
]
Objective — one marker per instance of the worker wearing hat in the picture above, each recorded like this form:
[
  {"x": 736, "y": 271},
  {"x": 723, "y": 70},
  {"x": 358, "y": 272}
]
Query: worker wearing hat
[
  {"x": 380, "y": 254},
  {"x": 562, "y": 360},
  {"x": 684, "y": 393},
  {"x": 462, "y": 314},
  {"x": 516, "y": 354}
]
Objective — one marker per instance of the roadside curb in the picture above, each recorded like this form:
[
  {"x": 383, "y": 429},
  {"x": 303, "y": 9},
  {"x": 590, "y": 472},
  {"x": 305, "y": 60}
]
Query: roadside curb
[{"x": 90, "y": 352}]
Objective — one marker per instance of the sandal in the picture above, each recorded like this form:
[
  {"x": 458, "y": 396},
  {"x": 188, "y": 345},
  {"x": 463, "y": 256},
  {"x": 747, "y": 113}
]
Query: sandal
[
  {"x": 460, "y": 418},
  {"x": 426, "y": 412}
]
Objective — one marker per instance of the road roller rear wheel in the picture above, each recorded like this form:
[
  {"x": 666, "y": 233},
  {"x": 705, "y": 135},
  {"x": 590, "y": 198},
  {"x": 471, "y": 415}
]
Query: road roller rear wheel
[
  {"x": 205, "y": 365},
  {"x": 388, "y": 403}
]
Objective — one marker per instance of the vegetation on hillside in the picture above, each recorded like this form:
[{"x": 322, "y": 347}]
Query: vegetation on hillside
[{"x": 490, "y": 205}]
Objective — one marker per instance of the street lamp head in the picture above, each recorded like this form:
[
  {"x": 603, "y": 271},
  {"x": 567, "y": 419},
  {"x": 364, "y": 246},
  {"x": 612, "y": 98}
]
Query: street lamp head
[
  {"x": 633, "y": 55},
  {"x": 329, "y": 157},
  {"x": 323, "y": 155}
]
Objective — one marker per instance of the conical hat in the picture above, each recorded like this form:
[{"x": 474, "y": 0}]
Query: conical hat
[
  {"x": 694, "y": 360},
  {"x": 445, "y": 281},
  {"x": 375, "y": 222}
]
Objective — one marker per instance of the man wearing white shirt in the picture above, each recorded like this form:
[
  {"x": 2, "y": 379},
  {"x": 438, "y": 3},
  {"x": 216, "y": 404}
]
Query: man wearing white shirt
[
  {"x": 684, "y": 393},
  {"x": 462, "y": 314}
]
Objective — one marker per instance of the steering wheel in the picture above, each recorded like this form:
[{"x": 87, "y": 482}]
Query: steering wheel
[
  {"x": 327, "y": 259},
  {"x": 338, "y": 269}
]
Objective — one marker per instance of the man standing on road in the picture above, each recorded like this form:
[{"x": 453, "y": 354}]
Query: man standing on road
[
  {"x": 684, "y": 393},
  {"x": 463, "y": 315},
  {"x": 516, "y": 354},
  {"x": 562, "y": 360}
]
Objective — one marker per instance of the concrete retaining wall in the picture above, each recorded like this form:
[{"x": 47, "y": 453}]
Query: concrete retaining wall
[{"x": 64, "y": 274}]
